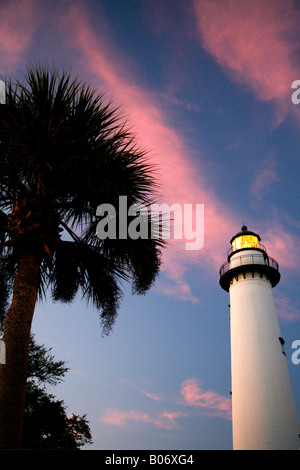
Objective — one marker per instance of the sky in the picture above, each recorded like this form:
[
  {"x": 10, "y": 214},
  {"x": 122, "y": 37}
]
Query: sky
[{"x": 206, "y": 87}]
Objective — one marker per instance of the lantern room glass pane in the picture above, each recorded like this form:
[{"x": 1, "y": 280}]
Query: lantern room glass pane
[{"x": 244, "y": 241}]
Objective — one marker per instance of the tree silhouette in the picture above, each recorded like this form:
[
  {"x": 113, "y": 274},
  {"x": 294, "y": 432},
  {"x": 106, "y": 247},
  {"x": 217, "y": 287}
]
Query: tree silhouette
[
  {"x": 63, "y": 152},
  {"x": 46, "y": 424}
]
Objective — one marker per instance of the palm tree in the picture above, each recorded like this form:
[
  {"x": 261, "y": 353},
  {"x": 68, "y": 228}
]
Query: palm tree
[{"x": 63, "y": 152}]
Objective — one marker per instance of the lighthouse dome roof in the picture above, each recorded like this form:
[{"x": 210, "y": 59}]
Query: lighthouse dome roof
[{"x": 244, "y": 231}]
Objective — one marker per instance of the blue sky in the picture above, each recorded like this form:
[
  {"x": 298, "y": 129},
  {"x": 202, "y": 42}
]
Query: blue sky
[{"x": 206, "y": 88}]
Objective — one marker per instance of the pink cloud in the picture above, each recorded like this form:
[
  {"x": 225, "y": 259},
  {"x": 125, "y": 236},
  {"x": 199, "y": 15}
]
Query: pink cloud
[
  {"x": 283, "y": 246},
  {"x": 285, "y": 310},
  {"x": 18, "y": 21},
  {"x": 164, "y": 420},
  {"x": 167, "y": 420},
  {"x": 150, "y": 395},
  {"x": 180, "y": 181},
  {"x": 119, "y": 418},
  {"x": 182, "y": 291},
  {"x": 193, "y": 395},
  {"x": 265, "y": 178},
  {"x": 254, "y": 43}
]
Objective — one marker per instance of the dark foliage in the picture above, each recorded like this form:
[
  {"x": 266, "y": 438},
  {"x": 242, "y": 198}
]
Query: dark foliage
[{"x": 46, "y": 424}]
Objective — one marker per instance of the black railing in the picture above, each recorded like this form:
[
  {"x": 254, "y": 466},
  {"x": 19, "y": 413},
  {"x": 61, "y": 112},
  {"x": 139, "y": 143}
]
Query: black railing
[{"x": 251, "y": 259}]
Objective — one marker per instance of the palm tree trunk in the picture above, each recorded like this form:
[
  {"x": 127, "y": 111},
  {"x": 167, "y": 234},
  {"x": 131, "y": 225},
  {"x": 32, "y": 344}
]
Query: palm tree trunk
[{"x": 13, "y": 374}]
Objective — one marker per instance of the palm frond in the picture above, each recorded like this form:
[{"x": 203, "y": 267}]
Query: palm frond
[{"x": 77, "y": 265}]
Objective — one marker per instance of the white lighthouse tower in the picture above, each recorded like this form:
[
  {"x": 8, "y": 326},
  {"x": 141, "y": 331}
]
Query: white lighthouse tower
[{"x": 264, "y": 414}]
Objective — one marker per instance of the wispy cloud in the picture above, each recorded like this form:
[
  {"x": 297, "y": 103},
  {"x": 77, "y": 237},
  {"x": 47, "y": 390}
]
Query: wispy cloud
[
  {"x": 18, "y": 22},
  {"x": 254, "y": 43},
  {"x": 181, "y": 292},
  {"x": 285, "y": 309},
  {"x": 163, "y": 420},
  {"x": 191, "y": 397},
  {"x": 265, "y": 178},
  {"x": 195, "y": 396},
  {"x": 282, "y": 245}
]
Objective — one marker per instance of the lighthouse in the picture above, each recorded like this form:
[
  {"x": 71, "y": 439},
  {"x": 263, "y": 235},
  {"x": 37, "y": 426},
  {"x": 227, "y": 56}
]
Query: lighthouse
[{"x": 264, "y": 414}]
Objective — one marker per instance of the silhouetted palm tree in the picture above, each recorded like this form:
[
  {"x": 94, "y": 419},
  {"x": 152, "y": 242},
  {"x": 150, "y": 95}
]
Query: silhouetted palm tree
[{"x": 63, "y": 152}]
